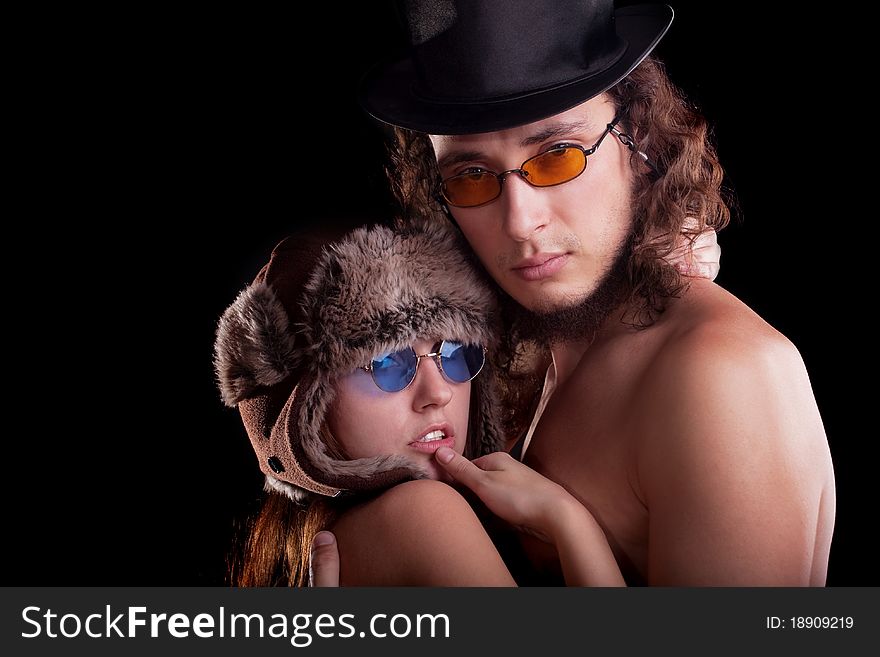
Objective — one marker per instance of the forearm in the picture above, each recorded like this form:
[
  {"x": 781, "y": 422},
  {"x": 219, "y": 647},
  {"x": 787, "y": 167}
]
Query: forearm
[{"x": 584, "y": 553}]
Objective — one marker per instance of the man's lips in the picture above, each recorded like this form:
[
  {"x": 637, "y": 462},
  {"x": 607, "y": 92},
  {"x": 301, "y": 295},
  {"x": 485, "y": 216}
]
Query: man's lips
[{"x": 540, "y": 266}]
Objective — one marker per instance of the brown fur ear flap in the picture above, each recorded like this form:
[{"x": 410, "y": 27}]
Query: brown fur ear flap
[{"x": 255, "y": 344}]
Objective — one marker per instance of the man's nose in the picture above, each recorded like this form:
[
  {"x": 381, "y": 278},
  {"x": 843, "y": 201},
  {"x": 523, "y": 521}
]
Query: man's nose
[{"x": 524, "y": 206}]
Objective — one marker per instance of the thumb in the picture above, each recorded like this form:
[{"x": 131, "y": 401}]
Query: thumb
[
  {"x": 324, "y": 561},
  {"x": 459, "y": 467}
]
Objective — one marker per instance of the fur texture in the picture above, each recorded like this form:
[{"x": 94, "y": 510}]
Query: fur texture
[
  {"x": 373, "y": 291},
  {"x": 255, "y": 345}
]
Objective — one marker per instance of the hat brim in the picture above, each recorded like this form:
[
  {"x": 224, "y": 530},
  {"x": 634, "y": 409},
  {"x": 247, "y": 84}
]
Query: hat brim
[{"x": 386, "y": 92}]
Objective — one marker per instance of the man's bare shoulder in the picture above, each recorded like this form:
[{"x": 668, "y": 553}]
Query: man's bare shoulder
[
  {"x": 723, "y": 380},
  {"x": 709, "y": 320},
  {"x": 728, "y": 427},
  {"x": 714, "y": 349}
]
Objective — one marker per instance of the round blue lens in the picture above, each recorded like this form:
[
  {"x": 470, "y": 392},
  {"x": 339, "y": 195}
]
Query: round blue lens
[
  {"x": 461, "y": 362},
  {"x": 394, "y": 372}
]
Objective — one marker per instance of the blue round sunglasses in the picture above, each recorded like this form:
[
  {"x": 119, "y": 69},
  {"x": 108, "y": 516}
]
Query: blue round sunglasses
[{"x": 458, "y": 362}]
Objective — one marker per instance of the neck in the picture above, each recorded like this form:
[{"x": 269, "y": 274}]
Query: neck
[{"x": 567, "y": 354}]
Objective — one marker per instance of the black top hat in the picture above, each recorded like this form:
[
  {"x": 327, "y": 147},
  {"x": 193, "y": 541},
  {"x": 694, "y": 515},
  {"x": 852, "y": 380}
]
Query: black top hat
[{"x": 486, "y": 65}]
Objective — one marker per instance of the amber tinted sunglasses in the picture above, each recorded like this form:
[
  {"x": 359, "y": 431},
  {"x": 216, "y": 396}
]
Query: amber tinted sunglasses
[{"x": 555, "y": 166}]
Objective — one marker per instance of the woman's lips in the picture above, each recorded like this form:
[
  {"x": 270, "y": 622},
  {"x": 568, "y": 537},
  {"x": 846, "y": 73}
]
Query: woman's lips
[
  {"x": 433, "y": 445},
  {"x": 433, "y": 437},
  {"x": 535, "y": 269}
]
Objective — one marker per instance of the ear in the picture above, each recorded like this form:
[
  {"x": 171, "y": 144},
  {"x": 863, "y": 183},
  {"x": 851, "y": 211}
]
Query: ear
[{"x": 254, "y": 345}]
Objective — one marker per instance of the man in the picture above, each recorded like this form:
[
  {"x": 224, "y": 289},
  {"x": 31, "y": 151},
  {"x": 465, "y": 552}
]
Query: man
[{"x": 675, "y": 414}]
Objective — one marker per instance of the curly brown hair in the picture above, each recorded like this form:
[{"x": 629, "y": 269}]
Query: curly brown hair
[{"x": 684, "y": 198}]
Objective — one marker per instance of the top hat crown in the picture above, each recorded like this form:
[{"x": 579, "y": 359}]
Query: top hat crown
[{"x": 496, "y": 64}]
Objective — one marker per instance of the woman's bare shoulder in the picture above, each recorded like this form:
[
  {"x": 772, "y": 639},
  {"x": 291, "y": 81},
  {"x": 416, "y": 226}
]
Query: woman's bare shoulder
[
  {"x": 404, "y": 515},
  {"x": 421, "y": 533}
]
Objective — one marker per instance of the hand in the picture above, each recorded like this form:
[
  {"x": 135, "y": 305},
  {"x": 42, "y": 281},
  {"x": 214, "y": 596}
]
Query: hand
[
  {"x": 513, "y": 491},
  {"x": 324, "y": 561},
  {"x": 700, "y": 259},
  {"x": 535, "y": 504}
]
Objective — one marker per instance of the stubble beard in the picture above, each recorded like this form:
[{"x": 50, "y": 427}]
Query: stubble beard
[{"x": 580, "y": 320}]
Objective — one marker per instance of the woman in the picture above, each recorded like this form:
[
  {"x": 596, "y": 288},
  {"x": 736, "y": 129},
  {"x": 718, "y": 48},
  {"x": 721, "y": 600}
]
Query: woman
[{"x": 352, "y": 368}]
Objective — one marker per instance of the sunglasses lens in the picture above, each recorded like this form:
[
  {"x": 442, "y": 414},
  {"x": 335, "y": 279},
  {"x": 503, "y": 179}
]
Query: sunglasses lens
[
  {"x": 556, "y": 166},
  {"x": 471, "y": 189},
  {"x": 461, "y": 363},
  {"x": 394, "y": 372}
]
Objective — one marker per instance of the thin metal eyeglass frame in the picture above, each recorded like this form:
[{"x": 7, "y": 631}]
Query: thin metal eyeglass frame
[
  {"x": 436, "y": 357},
  {"x": 622, "y": 137}
]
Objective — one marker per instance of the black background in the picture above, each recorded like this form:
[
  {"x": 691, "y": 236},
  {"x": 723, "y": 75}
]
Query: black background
[{"x": 166, "y": 153}]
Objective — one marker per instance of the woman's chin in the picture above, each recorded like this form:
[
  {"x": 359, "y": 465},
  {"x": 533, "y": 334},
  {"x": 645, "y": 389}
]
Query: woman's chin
[{"x": 437, "y": 473}]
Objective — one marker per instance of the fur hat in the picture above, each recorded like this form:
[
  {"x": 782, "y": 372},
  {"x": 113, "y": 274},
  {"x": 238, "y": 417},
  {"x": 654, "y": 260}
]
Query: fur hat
[{"x": 320, "y": 310}]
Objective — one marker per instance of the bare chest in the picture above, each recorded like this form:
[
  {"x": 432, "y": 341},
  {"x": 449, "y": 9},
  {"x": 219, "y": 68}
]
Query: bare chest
[{"x": 585, "y": 441}]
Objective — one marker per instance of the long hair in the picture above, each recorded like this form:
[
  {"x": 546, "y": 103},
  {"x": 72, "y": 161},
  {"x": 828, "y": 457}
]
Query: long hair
[
  {"x": 682, "y": 200},
  {"x": 272, "y": 549}
]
